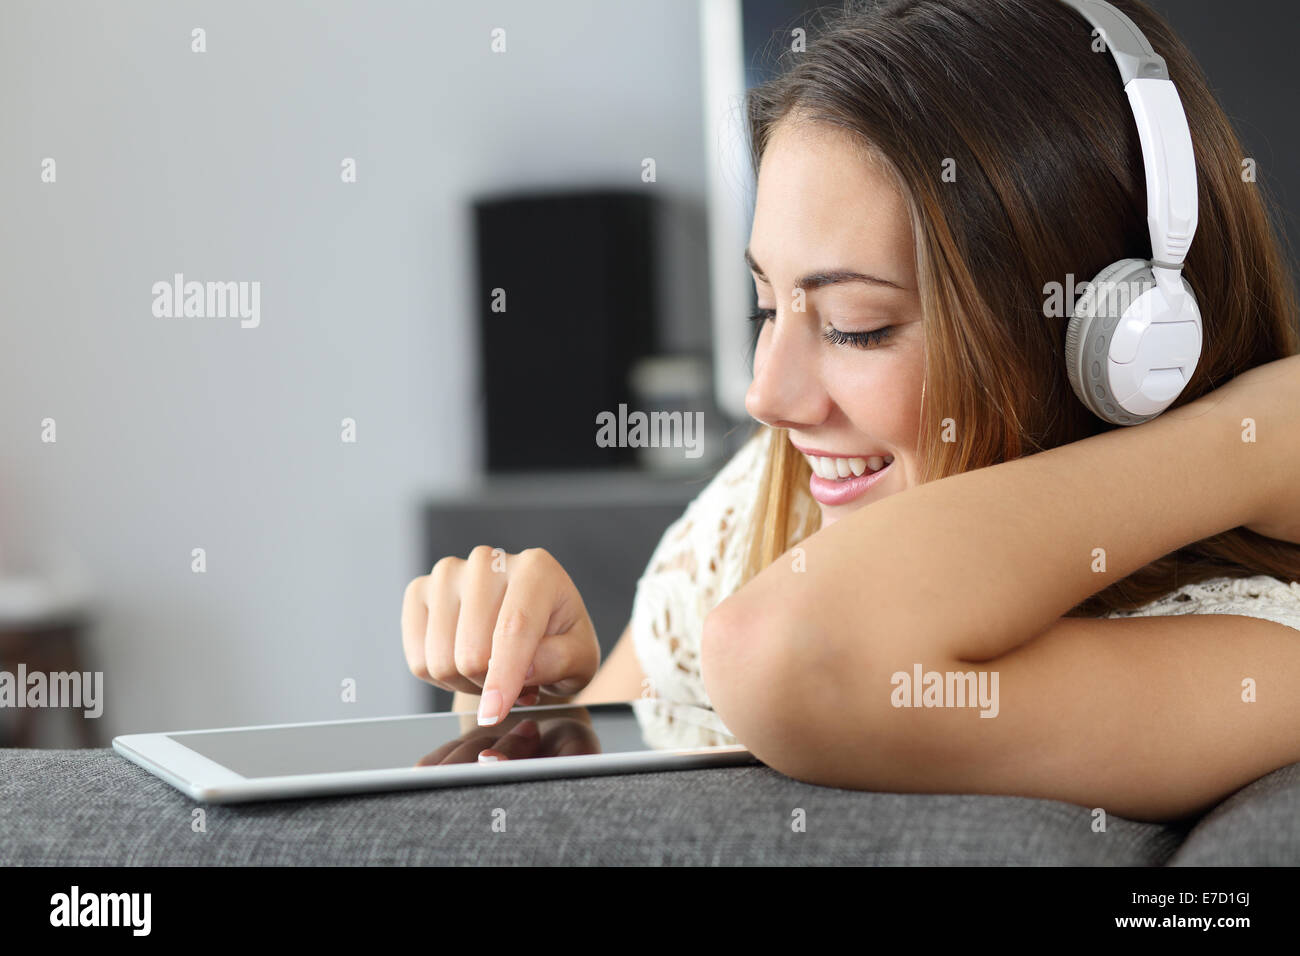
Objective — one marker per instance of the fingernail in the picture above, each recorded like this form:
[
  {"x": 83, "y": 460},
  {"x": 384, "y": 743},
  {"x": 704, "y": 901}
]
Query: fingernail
[
  {"x": 489, "y": 708},
  {"x": 532, "y": 669},
  {"x": 486, "y": 757}
]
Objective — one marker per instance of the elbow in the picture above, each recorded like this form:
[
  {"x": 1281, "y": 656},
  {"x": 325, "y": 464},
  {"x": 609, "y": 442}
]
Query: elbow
[
  {"x": 736, "y": 650},
  {"x": 819, "y": 709},
  {"x": 763, "y": 684}
]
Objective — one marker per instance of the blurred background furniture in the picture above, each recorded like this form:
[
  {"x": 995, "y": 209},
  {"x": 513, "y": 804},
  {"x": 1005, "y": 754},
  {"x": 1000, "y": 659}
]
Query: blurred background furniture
[
  {"x": 43, "y": 627},
  {"x": 551, "y": 360}
]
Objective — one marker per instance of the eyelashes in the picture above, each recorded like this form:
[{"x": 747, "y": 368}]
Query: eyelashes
[{"x": 861, "y": 340}]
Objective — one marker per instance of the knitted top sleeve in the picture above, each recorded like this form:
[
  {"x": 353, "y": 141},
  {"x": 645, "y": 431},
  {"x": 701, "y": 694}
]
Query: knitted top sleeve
[
  {"x": 698, "y": 562},
  {"x": 1258, "y": 596}
]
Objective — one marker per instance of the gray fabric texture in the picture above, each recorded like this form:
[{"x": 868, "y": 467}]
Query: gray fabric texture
[
  {"x": 93, "y": 807},
  {"x": 1258, "y": 825}
]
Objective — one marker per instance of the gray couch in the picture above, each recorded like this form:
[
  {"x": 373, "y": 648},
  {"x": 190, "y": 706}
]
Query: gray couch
[{"x": 92, "y": 807}]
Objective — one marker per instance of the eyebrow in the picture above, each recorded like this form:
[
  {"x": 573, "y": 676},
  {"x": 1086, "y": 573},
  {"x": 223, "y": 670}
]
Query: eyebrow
[{"x": 815, "y": 280}]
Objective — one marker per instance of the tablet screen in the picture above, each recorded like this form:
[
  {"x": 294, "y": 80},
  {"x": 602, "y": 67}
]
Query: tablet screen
[{"x": 445, "y": 738}]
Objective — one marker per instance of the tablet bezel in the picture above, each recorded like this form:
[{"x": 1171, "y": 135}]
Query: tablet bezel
[{"x": 208, "y": 781}]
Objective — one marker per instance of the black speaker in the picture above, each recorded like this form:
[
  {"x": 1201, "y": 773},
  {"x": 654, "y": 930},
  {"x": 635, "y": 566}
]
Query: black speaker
[{"x": 578, "y": 273}]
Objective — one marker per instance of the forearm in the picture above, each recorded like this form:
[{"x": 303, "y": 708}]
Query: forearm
[
  {"x": 978, "y": 563},
  {"x": 1146, "y": 717}
]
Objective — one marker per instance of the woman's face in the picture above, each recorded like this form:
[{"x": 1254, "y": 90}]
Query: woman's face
[{"x": 844, "y": 374}]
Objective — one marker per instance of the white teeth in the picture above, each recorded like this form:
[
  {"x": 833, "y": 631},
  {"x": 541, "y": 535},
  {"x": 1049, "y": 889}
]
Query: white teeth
[{"x": 834, "y": 469}]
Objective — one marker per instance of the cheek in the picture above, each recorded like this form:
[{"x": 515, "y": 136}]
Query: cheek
[{"x": 881, "y": 398}]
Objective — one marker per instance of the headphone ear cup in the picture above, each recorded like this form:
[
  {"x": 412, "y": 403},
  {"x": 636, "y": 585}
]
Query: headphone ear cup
[
  {"x": 1087, "y": 336},
  {"x": 1192, "y": 309}
]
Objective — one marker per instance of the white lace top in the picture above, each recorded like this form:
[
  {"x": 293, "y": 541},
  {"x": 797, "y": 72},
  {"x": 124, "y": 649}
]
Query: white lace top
[{"x": 700, "y": 558}]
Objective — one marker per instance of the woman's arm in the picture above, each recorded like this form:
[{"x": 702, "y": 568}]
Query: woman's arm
[
  {"x": 1147, "y": 718},
  {"x": 978, "y": 563}
]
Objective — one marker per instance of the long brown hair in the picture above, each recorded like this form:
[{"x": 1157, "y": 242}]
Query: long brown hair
[{"x": 1049, "y": 183}]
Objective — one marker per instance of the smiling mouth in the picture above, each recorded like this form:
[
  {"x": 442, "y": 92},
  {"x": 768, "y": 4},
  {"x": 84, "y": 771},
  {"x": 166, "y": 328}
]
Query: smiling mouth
[{"x": 845, "y": 469}]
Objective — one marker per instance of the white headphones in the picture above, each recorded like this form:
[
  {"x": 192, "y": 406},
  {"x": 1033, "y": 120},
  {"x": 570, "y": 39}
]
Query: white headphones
[{"x": 1134, "y": 336}]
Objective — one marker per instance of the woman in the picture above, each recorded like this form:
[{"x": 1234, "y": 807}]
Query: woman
[{"x": 1129, "y": 594}]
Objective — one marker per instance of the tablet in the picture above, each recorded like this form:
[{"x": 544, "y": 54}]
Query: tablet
[{"x": 238, "y": 764}]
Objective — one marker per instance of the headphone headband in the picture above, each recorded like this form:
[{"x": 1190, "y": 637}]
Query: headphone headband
[
  {"x": 1133, "y": 53},
  {"x": 1167, "y": 155}
]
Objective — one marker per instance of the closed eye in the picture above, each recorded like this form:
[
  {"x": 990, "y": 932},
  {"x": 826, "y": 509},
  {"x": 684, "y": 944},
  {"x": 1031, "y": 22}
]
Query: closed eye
[{"x": 861, "y": 340}]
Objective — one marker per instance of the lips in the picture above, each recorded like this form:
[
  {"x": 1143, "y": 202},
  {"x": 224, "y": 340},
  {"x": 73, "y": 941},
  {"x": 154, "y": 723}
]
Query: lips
[{"x": 842, "y": 490}]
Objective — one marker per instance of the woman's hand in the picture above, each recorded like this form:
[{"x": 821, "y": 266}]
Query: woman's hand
[
  {"x": 497, "y": 624},
  {"x": 1261, "y": 407}
]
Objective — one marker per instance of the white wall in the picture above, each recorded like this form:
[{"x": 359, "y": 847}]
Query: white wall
[{"x": 182, "y": 433}]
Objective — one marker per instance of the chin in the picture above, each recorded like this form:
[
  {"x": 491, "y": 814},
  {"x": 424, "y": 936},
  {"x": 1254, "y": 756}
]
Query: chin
[{"x": 831, "y": 514}]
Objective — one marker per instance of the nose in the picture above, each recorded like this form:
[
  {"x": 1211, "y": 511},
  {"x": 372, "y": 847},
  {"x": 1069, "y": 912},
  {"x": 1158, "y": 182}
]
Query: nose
[{"x": 787, "y": 390}]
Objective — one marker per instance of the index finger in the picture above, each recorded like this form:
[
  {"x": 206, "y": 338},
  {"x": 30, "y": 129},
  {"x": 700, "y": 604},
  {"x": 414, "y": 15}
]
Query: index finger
[{"x": 521, "y": 624}]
